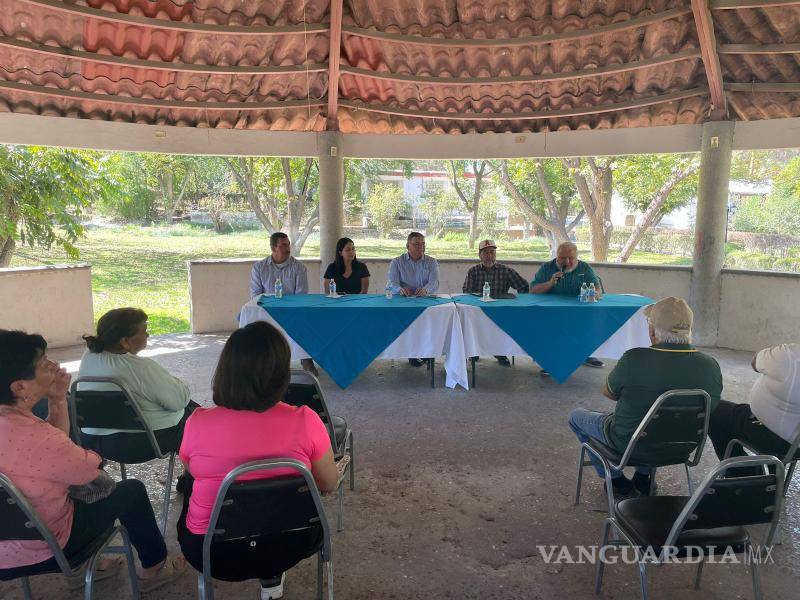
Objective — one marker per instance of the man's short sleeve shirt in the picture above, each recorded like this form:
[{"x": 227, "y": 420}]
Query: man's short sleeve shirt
[{"x": 570, "y": 284}]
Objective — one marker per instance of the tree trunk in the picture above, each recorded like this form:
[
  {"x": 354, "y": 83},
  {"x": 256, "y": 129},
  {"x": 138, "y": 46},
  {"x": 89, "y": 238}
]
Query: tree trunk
[
  {"x": 7, "y": 247},
  {"x": 473, "y": 228}
]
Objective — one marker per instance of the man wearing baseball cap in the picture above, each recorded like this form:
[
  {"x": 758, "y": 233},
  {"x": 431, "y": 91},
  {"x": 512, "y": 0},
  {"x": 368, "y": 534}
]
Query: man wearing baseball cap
[
  {"x": 499, "y": 276},
  {"x": 640, "y": 377}
]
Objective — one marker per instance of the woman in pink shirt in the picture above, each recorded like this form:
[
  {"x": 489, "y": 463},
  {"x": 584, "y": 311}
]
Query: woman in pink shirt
[
  {"x": 249, "y": 422},
  {"x": 42, "y": 462}
]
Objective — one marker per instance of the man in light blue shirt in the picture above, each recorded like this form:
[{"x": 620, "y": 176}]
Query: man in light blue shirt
[
  {"x": 413, "y": 273},
  {"x": 279, "y": 265}
]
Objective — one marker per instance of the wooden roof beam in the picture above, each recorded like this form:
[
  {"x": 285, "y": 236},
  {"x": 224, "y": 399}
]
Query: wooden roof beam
[
  {"x": 776, "y": 88},
  {"x": 334, "y": 59},
  {"x": 708, "y": 49},
  {"x": 759, "y": 49},
  {"x": 737, "y": 4}
]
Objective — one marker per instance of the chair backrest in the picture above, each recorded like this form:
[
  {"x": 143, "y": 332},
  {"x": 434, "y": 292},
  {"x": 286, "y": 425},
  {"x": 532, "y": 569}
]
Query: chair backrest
[
  {"x": 107, "y": 409},
  {"x": 673, "y": 431},
  {"x": 736, "y": 501},
  {"x": 305, "y": 390},
  {"x": 256, "y": 507},
  {"x": 20, "y": 522}
]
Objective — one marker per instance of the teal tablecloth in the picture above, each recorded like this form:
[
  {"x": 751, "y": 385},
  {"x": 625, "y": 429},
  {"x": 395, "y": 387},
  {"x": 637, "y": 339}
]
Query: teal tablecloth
[
  {"x": 344, "y": 335},
  {"x": 559, "y": 332}
]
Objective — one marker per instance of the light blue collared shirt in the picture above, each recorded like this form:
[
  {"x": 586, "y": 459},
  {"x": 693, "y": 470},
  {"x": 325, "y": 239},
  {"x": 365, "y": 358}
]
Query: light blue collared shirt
[
  {"x": 292, "y": 273},
  {"x": 414, "y": 274}
]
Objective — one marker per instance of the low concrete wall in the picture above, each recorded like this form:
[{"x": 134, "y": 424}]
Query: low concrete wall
[
  {"x": 54, "y": 301},
  {"x": 757, "y": 309}
]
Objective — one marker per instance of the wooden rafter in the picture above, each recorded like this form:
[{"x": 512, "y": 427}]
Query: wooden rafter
[
  {"x": 537, "y": 115},
  {"x": 540, "y": 78},
  {"x": 334, "y": 59},
  {"x": 532, "y": 40},
  {"x": 53, "y": 92},
  {"x": 106, "y": 15},
  {"x": 708, "y": 48},
  {"x": 156, "y": 65},
  {"x": 759, "y": 49},
  {"x": 736, "y": 4},
  {"x": 780, "y": 88}
]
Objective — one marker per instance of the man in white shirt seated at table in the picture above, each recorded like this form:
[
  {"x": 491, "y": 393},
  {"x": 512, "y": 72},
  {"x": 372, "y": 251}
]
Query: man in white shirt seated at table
[
  {"x": 414, "y": 274},
  {"x": 771, "y": 420},
  {"x": 280, "y": 264}
]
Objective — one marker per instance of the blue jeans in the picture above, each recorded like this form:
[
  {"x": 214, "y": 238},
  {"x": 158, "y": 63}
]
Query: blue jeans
[{"x": 589, "y": 424}]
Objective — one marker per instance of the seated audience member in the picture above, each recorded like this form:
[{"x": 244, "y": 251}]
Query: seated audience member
[
  {"x": 250, "y": 422},
  {"x": 163, "y": 399},
  {"x": 499, "y": 276},
  {"x": 640, "y": 377},
  {"x": 564, "y": 276},
  {"x": 349, "y": 273},
  {"x": 770, "y": 421},
  {"x": 42, "y": 462},
  {"x": 414, "y": 274}
]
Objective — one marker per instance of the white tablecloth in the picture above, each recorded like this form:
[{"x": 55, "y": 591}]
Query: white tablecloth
[{"x": 435, "y": 333}]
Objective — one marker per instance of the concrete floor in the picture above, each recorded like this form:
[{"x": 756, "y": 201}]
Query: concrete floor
[{"x": 456, "y": 489}]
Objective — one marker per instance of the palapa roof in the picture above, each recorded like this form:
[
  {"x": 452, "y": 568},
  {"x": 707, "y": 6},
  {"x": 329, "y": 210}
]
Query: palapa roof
[{"x": 402, "y": 66}]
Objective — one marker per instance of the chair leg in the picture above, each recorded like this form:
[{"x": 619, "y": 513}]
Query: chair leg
[
  {"x": 433, "y": 372},
  {"x": 643, "y": 579},
  {"x": 581, "y": 462},
  {"x": 122, "y": 472},
  {"x": 133, "y": 576},
  {"x": 167, "y": 491},
  {"x": 472, "y": 361},
  {"x": 689, "y": 482},
  {"x": 598, "y": 578},
  {"x": 756, "y": 574},
  {"x": 513, "y": 360},
  {"x": 201, "y": 588},
  {"x": 319, "y": 575},
  {"x": 652, "y": 490},
  {"x": 339, "y": 508},
  {"x": 699, "y": 573},
  {"x": 352, "y": 464},
  {"x": 88, "y": 583},
  {"x": 330, "y": 580},
  {"x": 26, "y": 588}
]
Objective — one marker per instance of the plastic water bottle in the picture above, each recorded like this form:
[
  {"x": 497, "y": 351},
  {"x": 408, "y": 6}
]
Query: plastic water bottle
[
  {"x": 584, "y": 292},
  {"x": 332, "y": 288},
  {"x": 388, "y": 290},
  {"x": 592, "y": 293},
  {"x": 278, "y": 288},
  {"x": 487, "y": 291}
]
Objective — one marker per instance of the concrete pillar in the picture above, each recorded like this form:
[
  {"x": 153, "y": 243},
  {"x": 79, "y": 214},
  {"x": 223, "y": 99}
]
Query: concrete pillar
[
  {"x": 710, "y": 228},
  {"x": 331, "y": 195}
]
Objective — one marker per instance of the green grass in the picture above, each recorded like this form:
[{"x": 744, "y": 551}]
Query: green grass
[{"x": 146, "y": 266}]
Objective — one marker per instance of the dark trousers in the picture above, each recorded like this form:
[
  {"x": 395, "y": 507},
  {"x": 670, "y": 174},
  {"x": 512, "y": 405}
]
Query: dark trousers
[
  {"x": 133, "y": 448},
  {"x": 128, "y": 503},
  {"x": 260, "y": 557},
  {"x": 730, "y": 420}
]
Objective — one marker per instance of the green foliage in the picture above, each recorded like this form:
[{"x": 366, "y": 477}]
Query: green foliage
[
  {"x": 523, "y": 174},
  {"x": 455, "y": 236},
  {"x": 437, "y": 207},
  {"x": 360, "y": 175},
  {"x": 777, "y": 213},
  {"x": 43, "y": 192},
  {"x": 489, "y": 215},
  {"x": 638, "y": 179},
  {"x": 384, "y": 203}
]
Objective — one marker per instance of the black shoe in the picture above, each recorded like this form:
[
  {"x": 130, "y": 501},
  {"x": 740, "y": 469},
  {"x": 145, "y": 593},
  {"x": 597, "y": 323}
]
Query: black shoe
[
  {"x": 544, "y": 373},
  {"x": 503, "y": 360},
  {"x": 593, "y": 362},
  {"x": 622, "y": 488},
  {"x": 416, "y": 362},
  {"x": 641, "y": 484}
]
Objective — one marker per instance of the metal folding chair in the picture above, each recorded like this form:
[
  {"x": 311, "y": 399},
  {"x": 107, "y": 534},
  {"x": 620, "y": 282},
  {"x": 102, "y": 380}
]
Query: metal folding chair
[
  {"x": 284, "y": 504},
  {"x": 664, "y": 529},
  {"x": 305, "y": 390},
  {"x": 674, "y": 427},
  {"x": 116, "y": 409},
  {"x": 20, "y": 522}
]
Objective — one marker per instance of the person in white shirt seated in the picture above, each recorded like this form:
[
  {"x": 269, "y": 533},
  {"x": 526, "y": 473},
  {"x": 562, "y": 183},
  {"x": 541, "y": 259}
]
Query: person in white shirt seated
[
  {"x": 771, "y": 420},
  {"x": 163, "y": 399}
]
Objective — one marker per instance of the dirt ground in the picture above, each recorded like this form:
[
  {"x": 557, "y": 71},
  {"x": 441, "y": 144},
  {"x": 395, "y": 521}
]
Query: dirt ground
[{"x": 455, "y": 491}]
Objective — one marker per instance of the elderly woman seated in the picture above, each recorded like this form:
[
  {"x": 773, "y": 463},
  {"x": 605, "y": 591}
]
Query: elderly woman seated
[
  {"x": 250, "y": 422},
  {"x": 42, "y": 462},
  {"x": 162, "y": 398}
]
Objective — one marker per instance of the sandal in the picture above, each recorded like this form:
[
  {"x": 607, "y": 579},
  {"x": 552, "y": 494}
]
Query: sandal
[
  {"x": 107, "y": 567},
  {"x": 172, "y": 568}
]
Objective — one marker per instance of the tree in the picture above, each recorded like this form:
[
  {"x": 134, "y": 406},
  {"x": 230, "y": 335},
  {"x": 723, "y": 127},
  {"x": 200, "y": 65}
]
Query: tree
[
  {"x": 437, "y": 207},
  {"x": 468, "y": 189},
  {"x": 42, "y": 194},
  {"x": 489, "y": 214},
  {"x": 593, "y": 179},
  {"x": 215, "y": 189},
  {"x": 779, "y": 212},
  {"x": 655, "y": 185},
  {"x": 360, "y": 175},
  {"x": 282, "y": 193},
  {"x": 384, "y": 203},
  {"x": 543, "y": 193}
]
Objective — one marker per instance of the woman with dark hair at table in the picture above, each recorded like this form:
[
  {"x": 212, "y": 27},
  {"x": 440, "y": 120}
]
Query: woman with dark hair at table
[
  {"x": 249, "y": 422},
  {"x": 163, "y": 399},
  {"x": 43, "y": 463},
  {"x": 349, "y": 273}
]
